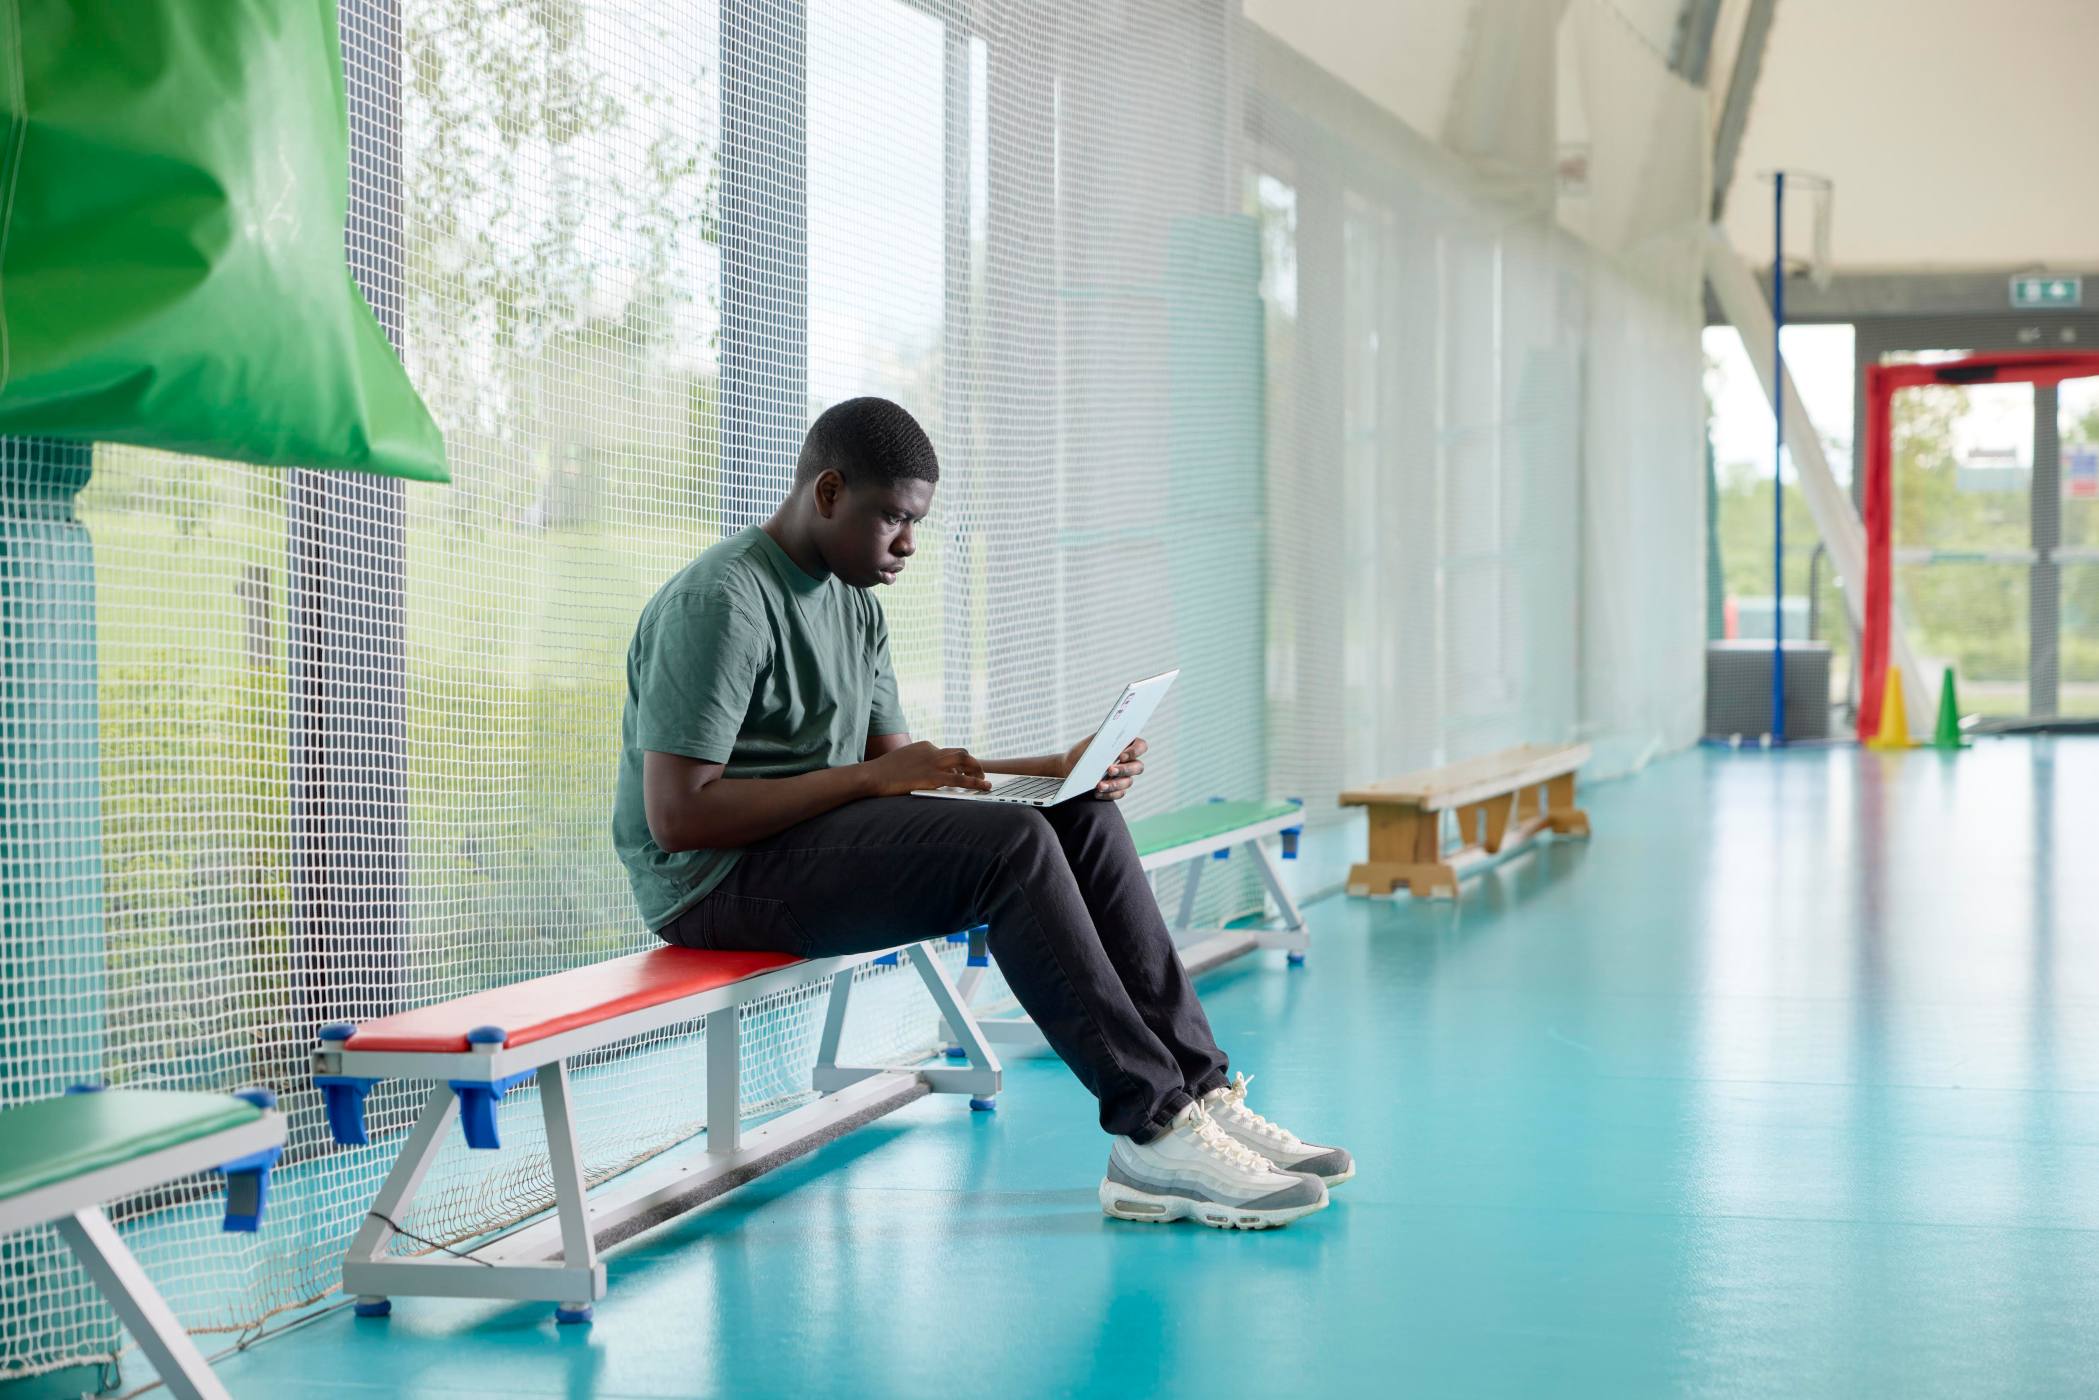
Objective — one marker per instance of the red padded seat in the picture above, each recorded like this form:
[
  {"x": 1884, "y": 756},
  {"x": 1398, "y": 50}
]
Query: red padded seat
[{"x": 583, "y": 996}]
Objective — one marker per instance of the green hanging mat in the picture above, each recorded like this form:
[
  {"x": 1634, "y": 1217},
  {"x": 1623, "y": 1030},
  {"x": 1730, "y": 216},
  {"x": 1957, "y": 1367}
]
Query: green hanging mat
[{"x": 174, "y": 176}]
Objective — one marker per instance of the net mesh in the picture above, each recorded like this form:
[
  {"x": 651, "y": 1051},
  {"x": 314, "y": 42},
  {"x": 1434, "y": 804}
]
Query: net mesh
[
  {"x": 1476, "y": 371},
  {"x": 1820, "y": 361},
  {"x": 1227, "y": 370}
]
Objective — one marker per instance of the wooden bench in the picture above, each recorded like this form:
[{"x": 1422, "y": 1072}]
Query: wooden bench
[
  {"x": 475, "y": 1048},
  {"x": 1205, "y": 833},
  {"x": 60, "y": 1159},
  {"x": 1500, "y": 801}
]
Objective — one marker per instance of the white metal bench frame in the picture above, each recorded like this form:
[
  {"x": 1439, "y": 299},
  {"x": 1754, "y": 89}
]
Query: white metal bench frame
[
  {"x": 1201, "y": 947},
  {"x": 1205, "y": 947},
  {"x": 556, "y": 1258},
  {"x": 74, "y": 1206}
]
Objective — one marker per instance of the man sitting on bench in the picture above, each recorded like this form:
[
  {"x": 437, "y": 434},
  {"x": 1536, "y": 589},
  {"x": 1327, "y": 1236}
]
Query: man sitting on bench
[{"x": 764, "y": 805}]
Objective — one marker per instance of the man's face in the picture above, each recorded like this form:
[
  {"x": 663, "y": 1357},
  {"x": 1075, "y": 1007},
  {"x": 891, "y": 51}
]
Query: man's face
[{"x": 866, "y": 534}]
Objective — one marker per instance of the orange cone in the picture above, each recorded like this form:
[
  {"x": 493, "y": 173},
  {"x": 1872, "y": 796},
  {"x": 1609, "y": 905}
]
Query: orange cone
[{"x": 1894, "y": 717}]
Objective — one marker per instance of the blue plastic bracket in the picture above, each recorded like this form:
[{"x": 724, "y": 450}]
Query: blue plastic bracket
[
  {"x": 248, "y": 1178},
  {"x": 979, "y": 945},
  {"x": 343, "y": 1096},
  {"x": 248, "y": 1189},
  {"x": 477, "y": 1106},
  {"x": 886, "y": 960},
  {"x": 1291, "y": 833}
]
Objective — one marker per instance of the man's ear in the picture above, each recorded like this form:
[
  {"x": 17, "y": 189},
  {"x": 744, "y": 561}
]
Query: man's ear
[{"x": 830, "y": 486}]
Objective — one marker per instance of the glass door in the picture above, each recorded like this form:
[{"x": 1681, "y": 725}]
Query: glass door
[
  {"x": 1963, "y": 536},
  {"x": 2076, "y": 556}
]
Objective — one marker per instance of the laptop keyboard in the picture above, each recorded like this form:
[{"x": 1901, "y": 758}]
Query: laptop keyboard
[{"x": 1028, "y": 789}]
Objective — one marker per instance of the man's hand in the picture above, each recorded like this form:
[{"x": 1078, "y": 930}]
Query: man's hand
[
  {"x": 1116, "y": 781},
  {"x": 917, "y": 767}
]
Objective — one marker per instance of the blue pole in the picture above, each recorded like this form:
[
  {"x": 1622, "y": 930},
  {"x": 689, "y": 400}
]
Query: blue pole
[{"x": 1778, "y": 458}]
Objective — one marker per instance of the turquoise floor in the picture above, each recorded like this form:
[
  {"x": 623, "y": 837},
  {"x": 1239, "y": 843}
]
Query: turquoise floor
[{"x": 1786, "y": 1084}]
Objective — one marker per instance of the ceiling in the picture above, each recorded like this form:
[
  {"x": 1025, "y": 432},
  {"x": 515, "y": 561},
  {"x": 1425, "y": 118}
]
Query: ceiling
[{"x": 1959, "y": 134}]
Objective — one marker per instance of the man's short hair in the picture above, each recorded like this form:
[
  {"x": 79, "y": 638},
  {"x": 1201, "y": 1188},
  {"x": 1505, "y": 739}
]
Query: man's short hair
[{"x": 867, "y": 441}]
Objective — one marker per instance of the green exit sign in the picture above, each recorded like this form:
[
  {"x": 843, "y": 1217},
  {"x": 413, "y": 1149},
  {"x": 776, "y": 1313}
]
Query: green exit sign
[{"x": 2054, "y": 293}]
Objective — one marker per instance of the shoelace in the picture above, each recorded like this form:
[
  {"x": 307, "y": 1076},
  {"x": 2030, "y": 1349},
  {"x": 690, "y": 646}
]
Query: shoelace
[
  {"x": 1207, "y": 1134},
  {"x": 1232, "y": 1104}
]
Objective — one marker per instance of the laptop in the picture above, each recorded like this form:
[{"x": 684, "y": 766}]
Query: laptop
[{"x": 1124, "y": 723}]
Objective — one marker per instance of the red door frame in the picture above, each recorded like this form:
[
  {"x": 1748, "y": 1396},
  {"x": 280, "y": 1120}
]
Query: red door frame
[{"x": 1882, "y": 383}]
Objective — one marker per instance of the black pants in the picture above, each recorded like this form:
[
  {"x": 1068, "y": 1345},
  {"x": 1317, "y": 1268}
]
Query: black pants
[{"x": 1074, "y": 927}]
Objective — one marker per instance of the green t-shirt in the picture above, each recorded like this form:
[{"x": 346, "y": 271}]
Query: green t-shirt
[{"x": 744, "y": 660}]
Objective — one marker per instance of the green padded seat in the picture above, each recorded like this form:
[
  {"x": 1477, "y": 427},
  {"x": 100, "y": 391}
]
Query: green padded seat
[
  {"x": 1199, "y": 823},
  {"x": 55, "y": 1140}
]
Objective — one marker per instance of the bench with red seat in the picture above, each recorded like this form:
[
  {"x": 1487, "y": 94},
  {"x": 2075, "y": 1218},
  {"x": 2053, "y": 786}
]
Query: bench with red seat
[{"x": 476, "y": 1048}]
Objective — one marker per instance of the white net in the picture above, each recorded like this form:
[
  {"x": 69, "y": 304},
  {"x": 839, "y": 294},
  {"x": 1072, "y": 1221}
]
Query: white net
[
  {"x": 1227, "y": 372},
  {"x": 1820, "y": 362},
  {"x": 1484, "y": 423}
]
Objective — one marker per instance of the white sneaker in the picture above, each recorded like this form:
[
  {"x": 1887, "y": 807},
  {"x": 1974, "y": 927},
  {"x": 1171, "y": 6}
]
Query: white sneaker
[
  {"x": 1227, "y": 1108},
  {"x": 1193, "y": 1171}
]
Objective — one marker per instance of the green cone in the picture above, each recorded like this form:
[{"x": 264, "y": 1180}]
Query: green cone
[{"x": 1949, "y": 729}]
